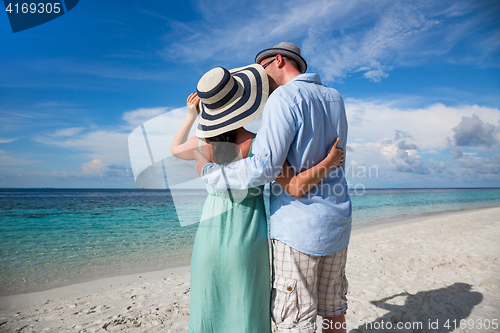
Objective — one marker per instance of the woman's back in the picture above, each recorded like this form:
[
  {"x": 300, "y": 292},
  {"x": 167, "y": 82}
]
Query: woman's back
[{"x": 243, "y": 141}]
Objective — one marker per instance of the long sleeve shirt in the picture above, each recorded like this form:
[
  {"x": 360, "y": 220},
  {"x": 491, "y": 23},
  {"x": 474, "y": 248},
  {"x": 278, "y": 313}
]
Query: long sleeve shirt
[{"x": 301, "y": 121}]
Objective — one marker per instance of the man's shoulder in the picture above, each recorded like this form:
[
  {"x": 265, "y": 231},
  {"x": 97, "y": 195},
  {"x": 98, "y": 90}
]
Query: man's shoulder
[
  {"x": 304, "y": 88},
  {"x": 283, "y": 94},
  {"x": 294, "y": 88}
]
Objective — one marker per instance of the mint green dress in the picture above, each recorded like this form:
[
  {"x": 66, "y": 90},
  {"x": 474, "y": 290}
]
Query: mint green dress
[{"x": 230, "y": 269}]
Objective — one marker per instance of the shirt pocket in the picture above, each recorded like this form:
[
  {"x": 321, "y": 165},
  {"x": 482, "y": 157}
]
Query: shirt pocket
[{"x": 284, "y": 305}]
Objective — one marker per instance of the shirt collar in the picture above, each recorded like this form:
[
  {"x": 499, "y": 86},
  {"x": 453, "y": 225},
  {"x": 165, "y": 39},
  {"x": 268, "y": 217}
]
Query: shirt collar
[{"x": 307, "y": 77}]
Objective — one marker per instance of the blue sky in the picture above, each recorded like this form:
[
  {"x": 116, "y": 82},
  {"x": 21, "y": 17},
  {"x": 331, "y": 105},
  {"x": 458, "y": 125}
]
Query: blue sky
[{"x": 421, "y": 82}]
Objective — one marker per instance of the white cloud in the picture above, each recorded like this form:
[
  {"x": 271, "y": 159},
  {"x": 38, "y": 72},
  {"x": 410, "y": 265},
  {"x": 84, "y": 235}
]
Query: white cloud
[
  {"x": 8, "y": 160},
  {"x": 67, "y": 131},
  {"x": 394, "y": 140},
  {"x": 107, "y": 145},
  {"x": 479, "y": 165},
  {"x": 430, "y": 127},
  {"x": 135, "y": 118},
  {"x": 382, "y": 135},
  {"x": 93, "y": 167},
  {"x": 2, "y": 140},
  {"x": 236, "y": 37},
  {"x": 472, "y": 131},
  {"x": 110, "y": 145},
  {"x": 397, "y": 37}
]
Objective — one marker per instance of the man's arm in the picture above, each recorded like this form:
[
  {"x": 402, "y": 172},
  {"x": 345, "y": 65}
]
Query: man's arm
[
  {"x": 269, "y": 150},
  {"x": 298, "y": 185}
]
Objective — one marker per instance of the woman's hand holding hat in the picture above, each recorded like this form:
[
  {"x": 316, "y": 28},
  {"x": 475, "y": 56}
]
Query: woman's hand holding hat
[{"x": 192, "y": 104}]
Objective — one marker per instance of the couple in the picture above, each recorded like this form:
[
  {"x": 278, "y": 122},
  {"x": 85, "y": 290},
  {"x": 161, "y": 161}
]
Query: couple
[{"x": 296, "y": 150}]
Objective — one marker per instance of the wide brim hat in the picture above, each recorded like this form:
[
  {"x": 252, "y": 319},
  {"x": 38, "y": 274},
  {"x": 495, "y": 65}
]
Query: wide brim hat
[
  {"x": 230, "y": 99},
  {"x": 286, "y": 49}
]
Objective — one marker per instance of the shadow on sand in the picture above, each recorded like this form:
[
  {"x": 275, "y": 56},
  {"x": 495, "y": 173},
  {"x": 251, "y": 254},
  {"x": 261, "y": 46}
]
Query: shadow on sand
[{"x": 438, "y": 310}]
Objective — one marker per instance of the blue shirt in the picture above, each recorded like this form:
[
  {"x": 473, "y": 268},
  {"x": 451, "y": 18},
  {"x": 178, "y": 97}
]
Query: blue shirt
[{"x": 301, "y": 121}]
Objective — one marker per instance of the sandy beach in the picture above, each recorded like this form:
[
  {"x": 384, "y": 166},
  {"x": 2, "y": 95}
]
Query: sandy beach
[{"x": 437, "y": 273}]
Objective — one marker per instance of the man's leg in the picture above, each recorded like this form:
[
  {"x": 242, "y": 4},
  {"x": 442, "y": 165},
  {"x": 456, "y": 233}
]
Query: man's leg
[
  {"x": 334, "y": 324},
  {"x": 332, "y": 290}
]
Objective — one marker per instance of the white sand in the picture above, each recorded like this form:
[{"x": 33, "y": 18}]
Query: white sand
[
  {"x": 443, "y": 267},
  {"x": 428, "y": 269}
]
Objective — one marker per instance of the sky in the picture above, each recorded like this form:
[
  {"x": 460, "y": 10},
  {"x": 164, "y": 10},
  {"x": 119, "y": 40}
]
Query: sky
[{"x": 420, "y": 81}]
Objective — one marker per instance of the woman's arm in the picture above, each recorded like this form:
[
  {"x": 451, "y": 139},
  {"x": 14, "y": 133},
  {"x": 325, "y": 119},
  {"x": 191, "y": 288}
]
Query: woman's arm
[
  {"x": 182, "y": 147},
  {"x": 298, "y": 185}
]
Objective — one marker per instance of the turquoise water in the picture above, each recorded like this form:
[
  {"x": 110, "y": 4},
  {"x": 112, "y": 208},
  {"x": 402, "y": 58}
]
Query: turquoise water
[
  {"x": 378, "y": 205},
  {"x": 51, "y": 237}
]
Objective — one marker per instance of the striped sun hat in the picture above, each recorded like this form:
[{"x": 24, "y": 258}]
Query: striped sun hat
[{"x": 231, "y": 99}]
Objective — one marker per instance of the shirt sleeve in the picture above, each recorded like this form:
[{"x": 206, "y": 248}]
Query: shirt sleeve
[{"x": 273, "y": 140}]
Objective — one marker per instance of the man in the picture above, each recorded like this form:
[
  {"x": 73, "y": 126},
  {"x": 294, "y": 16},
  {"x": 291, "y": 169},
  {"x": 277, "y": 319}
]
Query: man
[{"x": 309, "y": 234}]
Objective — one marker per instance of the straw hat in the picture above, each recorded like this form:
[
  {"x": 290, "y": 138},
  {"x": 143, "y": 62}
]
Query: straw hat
[
  {"x": 286, "y": 49},
  {"x": 231, "y": 99}
]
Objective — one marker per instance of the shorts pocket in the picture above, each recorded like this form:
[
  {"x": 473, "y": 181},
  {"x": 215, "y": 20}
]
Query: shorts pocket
[{"x": 284, "y": 305}]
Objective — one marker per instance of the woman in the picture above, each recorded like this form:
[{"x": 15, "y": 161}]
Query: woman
[{"x": 230, "y": 269}]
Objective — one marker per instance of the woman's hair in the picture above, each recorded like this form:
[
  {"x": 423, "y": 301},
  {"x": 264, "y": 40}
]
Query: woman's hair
[{"x": 224, "y": 148}]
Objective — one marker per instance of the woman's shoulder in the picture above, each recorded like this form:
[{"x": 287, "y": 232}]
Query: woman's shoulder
[{"x": 244, "y": 140}]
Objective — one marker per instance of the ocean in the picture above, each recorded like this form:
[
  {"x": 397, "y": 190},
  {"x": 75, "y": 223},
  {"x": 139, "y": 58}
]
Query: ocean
[{"x": 53, "y": 237}]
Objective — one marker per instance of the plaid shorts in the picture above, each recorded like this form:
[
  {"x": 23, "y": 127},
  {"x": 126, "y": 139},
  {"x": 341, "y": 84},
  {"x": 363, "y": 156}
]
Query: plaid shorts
[{"x": 306, "y": 285}]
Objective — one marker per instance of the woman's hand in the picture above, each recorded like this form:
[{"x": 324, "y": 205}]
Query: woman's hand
[
  {"x": 192, "y": 104},
  {"x": 335, "y": 156}
]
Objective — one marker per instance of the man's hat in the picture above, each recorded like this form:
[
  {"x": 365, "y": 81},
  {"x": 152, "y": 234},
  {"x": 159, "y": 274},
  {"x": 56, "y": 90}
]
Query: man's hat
[
  {"x": 231, "y": 99},
  {"x": 288, "y": 50}
]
